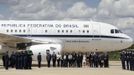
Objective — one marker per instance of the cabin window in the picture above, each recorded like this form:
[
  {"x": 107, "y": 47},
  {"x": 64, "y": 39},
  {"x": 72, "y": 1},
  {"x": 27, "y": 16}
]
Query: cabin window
[
  {"x": 66, "y": 31},
  {"x": 7, "y": 30},
  {"x": 11, "y": 30},
  {"x": 58, "y": 31},
  {"x": 15, "y": 30},
  {"x": 19, "y": 30},
  {"x": 71, "y": 31},
  {"x": 87, "y": 31},
  {"x": 24, "y": 31},
  {"x": 83, "y": 31}
]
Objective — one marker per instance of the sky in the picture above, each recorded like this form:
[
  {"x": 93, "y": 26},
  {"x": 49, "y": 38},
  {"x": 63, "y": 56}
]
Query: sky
[{"x": 119, "y": 13}]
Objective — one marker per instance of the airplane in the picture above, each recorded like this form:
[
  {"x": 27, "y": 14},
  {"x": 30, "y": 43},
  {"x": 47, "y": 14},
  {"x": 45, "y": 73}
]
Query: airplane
[{"x": 62, "y": 36}]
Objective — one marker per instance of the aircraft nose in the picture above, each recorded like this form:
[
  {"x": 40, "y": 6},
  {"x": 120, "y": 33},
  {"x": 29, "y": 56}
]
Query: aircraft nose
[{"x": 130, "y": 41}]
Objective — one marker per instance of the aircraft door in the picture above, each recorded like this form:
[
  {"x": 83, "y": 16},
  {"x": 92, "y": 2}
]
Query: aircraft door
[
  {"x": 96, "y": 37},
  {"x": 96, "y": 30},
  {"x": 29, "y": 31}
]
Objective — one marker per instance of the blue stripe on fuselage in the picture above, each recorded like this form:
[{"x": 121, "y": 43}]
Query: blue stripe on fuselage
[{"x": 74, "y": 36}]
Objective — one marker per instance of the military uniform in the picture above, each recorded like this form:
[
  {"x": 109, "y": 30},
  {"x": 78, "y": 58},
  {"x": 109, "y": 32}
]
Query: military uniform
[
  {"x": 3, "y": 59},
  {"x": 128, "y": 60},
  {"x": 122, "y": 57},
  {"x": 133, "y": 61},
  {"x": 6, "y": 58}
]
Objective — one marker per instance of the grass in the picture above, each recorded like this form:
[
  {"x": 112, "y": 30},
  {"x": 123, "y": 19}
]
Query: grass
[{"x": 114, "y": 56}]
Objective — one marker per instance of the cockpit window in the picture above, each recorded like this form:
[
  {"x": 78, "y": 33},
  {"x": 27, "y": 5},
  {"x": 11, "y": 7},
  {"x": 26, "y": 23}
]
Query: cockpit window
[
  {"x": 112, "y": 31},
  {"x": 115, "y": 31}
]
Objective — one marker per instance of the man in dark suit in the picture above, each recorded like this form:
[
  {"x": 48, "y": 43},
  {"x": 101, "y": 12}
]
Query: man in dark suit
[
  {"x": 48, "y": 58},
  {"x": 39, "y": 58},
  {"x": 106, "y": 60},
  {"x": 54, "y": 57},
  {"x": 81, "y": 58}
]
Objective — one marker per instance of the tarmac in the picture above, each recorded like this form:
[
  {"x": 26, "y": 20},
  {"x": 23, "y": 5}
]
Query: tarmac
[{"x": 114, "y": 69}]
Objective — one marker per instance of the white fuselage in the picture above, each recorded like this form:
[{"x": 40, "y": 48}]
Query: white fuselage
[{"x": 78, "y": 36}]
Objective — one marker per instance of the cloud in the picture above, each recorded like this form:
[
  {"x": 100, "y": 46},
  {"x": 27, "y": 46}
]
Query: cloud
[
  {"x": 41, "y": 9},
  {"x": 124, "y": 8},
  {"x": 116, "y": 8},
  {"x": 9, "y": 2},
  {"x": 51, "y": 10},
  {"x": 125, "y": 22},
  {"x": 117, "y": 12},
  {"x": 80, "y": 10}
]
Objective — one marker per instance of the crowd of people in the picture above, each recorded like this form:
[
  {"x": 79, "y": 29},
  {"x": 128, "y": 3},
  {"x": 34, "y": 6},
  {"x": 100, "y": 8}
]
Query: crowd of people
[
  {"x": 92, "y": 59},
  {"x": 23, "y": 60},
  {"x": 127, "y": 60},
  {"x": 18, "y": 60}
]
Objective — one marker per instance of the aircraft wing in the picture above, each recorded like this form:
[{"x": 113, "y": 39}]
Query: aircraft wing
[{"x": 11, "y": 40}]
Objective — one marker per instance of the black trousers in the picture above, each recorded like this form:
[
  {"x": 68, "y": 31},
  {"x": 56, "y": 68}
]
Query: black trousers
[
  {"x": 48, "y": 63},
  {"x": 39, "y": 64}
]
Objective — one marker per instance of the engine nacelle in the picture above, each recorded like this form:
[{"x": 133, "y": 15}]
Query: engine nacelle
[{"x": 42, "y": 48}]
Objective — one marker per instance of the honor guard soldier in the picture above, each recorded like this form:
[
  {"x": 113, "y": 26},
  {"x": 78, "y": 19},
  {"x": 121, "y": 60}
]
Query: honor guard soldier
[
  {"x": 12, "y": 60},
  {"x": 39, "y": 58},
  {"x": 30, "y": 59},
  {"x": 128, "y": 60},
  {"x": 132, "y": 60},
  {"x": 122, "y": 57},
  {"x": 6, "y": 58},
  {"x": 25, "y": 60},
  {"x": 3, "y": 59}
]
